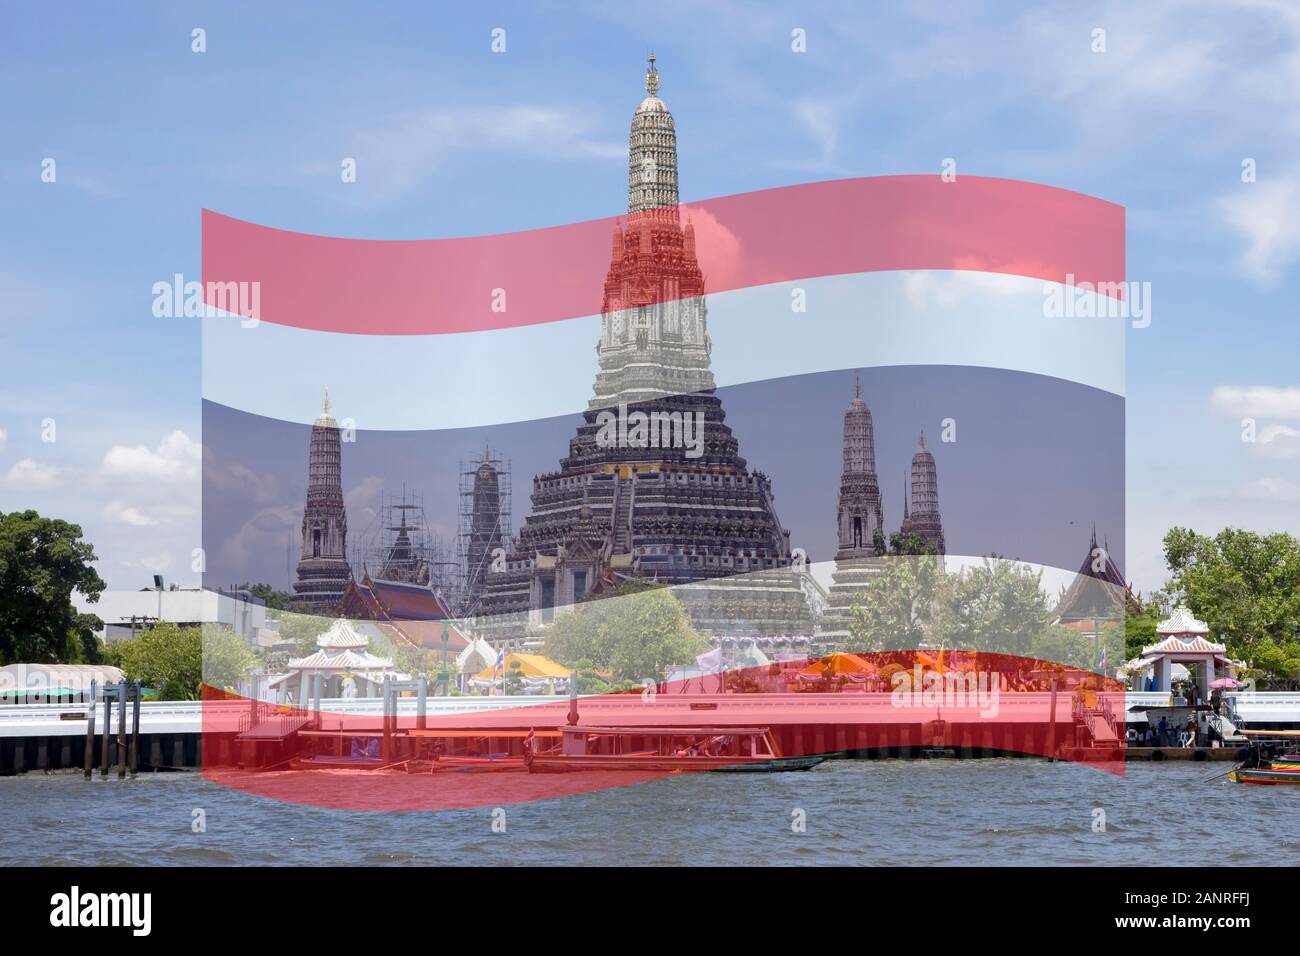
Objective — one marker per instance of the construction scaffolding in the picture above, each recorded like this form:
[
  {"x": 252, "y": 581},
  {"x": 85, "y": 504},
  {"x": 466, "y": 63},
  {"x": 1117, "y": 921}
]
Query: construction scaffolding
[
  {"x": 485, "y": 497},
  {"x": 398, "y": 545}
]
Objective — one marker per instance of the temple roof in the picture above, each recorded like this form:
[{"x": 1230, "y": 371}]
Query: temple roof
[
  {"x": 341, "y": 635},
  {"x": 1183, "y": 622},
  {"x": 1094, "y": 594},
  {"x": 408, "y": 613}
]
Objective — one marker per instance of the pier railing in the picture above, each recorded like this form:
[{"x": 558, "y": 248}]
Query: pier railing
[{"x": 1259, "y": 708}]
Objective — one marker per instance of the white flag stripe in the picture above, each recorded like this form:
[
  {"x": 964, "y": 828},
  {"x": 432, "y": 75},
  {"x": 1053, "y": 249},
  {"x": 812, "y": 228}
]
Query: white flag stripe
[{"x": 539, "y": 371}]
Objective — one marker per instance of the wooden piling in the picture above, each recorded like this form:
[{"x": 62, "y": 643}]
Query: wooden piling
[
  {"x": 135, "y": 731},
  {"x": 90, "y": 730},
  {"x": 103, "y": 743},
  {"x": 1051, "y": 724},
  {"x": 121, "y": 730}
]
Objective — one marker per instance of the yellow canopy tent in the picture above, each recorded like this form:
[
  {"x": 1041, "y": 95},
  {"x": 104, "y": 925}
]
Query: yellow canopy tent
[
  {"x": 533, "y": 666},
  {"x": 836, "y": 665},
  {"x": 934, "y": 662}
]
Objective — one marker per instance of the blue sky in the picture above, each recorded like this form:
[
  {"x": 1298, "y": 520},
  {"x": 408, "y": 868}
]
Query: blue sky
[{"x": 452, "y": 139}]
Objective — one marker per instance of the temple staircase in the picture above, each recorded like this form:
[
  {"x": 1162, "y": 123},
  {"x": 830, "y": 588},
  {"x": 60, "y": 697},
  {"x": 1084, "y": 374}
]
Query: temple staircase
[{"x": 624, "y": 492}]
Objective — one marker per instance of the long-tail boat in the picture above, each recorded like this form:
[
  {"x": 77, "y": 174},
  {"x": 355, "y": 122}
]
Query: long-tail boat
[
  {"x": 729, "y": 749},
  {"x": 1269, "y": 758}
]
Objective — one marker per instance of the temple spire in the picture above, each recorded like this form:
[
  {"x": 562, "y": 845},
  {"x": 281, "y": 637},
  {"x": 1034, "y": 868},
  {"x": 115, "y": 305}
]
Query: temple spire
[
  {"x": 922, "y": 437},
  {"x": 857, "y": 386},
  {"x": 652, "y": 157},
  {"x": 326, "y": 409}
]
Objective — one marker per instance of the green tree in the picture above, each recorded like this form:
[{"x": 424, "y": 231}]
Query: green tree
[
  {"x": 1140, "y": 629},
  {"x": 167, "y": 654},
  {"x": 42, "y": 562},
  {"x": 910, "y": 544},
  {"x": 1244, "y": 585},
  {"x": 227, "y": 658},
  {"x": 301, "y": 629},
  {"x": 589, "y": 682},
  {"x": 998, "y": 606},
  {"x": 512, "y": 682},
  {"x": 635, "y": 632},
  {"x": 162, "y": 653},
  {"x": 896, "y": 608},
  {"x": 274, "y": 600}
]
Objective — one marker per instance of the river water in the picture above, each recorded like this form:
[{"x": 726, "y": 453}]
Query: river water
[{"x": 974, "y": 812}]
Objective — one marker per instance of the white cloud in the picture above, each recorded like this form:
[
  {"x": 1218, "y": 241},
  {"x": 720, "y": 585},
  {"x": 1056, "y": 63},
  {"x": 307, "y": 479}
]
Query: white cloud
[
  {"x": 153, "y": 563},
  {"x": 239, "y": 478},
  {"x": 1281, "y": 442},
  {"x": 4, "y": 438},
  {"x": 31, "y": 474},
  {"x": 266, "y": 532},
  {"x": 947, "y": 290},
  {"x": 1257, "y": 401},
  {"x": 176, "y": 459},
  {"x": 1271, "y": 489},
  {"x": 127, "y": 514},
  {"x": 1267, "y": 215},
  {"x": 403, "y": 152},
  {"x": 362, "y": 499},
  {"x": 822, "y": 120}
]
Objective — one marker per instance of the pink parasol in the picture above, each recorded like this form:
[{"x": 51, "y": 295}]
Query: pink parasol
[{"x": 1226, "y": 683}]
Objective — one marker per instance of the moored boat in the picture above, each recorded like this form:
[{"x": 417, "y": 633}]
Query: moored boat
[
  {"x": 664, "y": 749},
  {"x": 1269, "y": 758}
]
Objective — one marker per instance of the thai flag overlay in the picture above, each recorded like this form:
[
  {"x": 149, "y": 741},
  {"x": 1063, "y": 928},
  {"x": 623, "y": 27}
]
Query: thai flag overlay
[{"x": 823, "y": 471}]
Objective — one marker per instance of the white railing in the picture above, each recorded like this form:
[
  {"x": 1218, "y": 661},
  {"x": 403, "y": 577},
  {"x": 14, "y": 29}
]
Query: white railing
[{"x": 188, "y": 716}]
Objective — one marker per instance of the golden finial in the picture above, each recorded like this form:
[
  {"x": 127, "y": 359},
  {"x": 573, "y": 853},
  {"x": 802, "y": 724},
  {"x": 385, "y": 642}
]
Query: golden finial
[
  {"x": 327, "y": 401},
  {"x": 652, "y": 76}
]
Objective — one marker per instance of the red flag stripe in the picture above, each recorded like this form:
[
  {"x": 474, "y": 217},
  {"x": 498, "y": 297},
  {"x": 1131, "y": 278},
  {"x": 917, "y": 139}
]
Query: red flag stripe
[{"x": 429, "y": 286}]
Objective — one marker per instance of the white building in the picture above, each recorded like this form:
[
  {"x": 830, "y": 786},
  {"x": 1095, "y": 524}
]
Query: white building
[{"x": 125, "y": 613}]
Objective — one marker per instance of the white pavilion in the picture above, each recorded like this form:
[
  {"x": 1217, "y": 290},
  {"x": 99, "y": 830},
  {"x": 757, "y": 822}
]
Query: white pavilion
[
  {"x": 1184, "y": 640},
  {"x": 344, "y": 662}
]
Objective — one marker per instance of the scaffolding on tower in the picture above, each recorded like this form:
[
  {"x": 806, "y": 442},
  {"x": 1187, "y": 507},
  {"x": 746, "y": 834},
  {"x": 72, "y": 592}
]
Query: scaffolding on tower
[
  {"x": 485, "y": 497},
  {"x": 398, "y": 545}
]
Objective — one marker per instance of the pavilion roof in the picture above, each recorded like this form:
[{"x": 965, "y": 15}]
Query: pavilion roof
[
  {"x": 1182, "y": 622},
  {"x": 342, "y": 660},
  {"x": 342, "y": 635},
  {"x": 1174, "y": 646}
]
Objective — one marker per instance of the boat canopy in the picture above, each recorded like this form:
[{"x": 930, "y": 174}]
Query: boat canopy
[{"x": 664, "y": 731}]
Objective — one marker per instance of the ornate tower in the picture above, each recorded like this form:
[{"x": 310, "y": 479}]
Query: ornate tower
[
  {"x": 860, "y": 512},
  {"x": 654, "y": 340},
  {"x": 652, "y": 153},
  {"x": 485, "y": 527},
  {"x": 323, "y": 571},
  {"x": 677, "y": 504},
  {"x": 859, "y": 519},
  {"x": 924, "y": 517}
]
